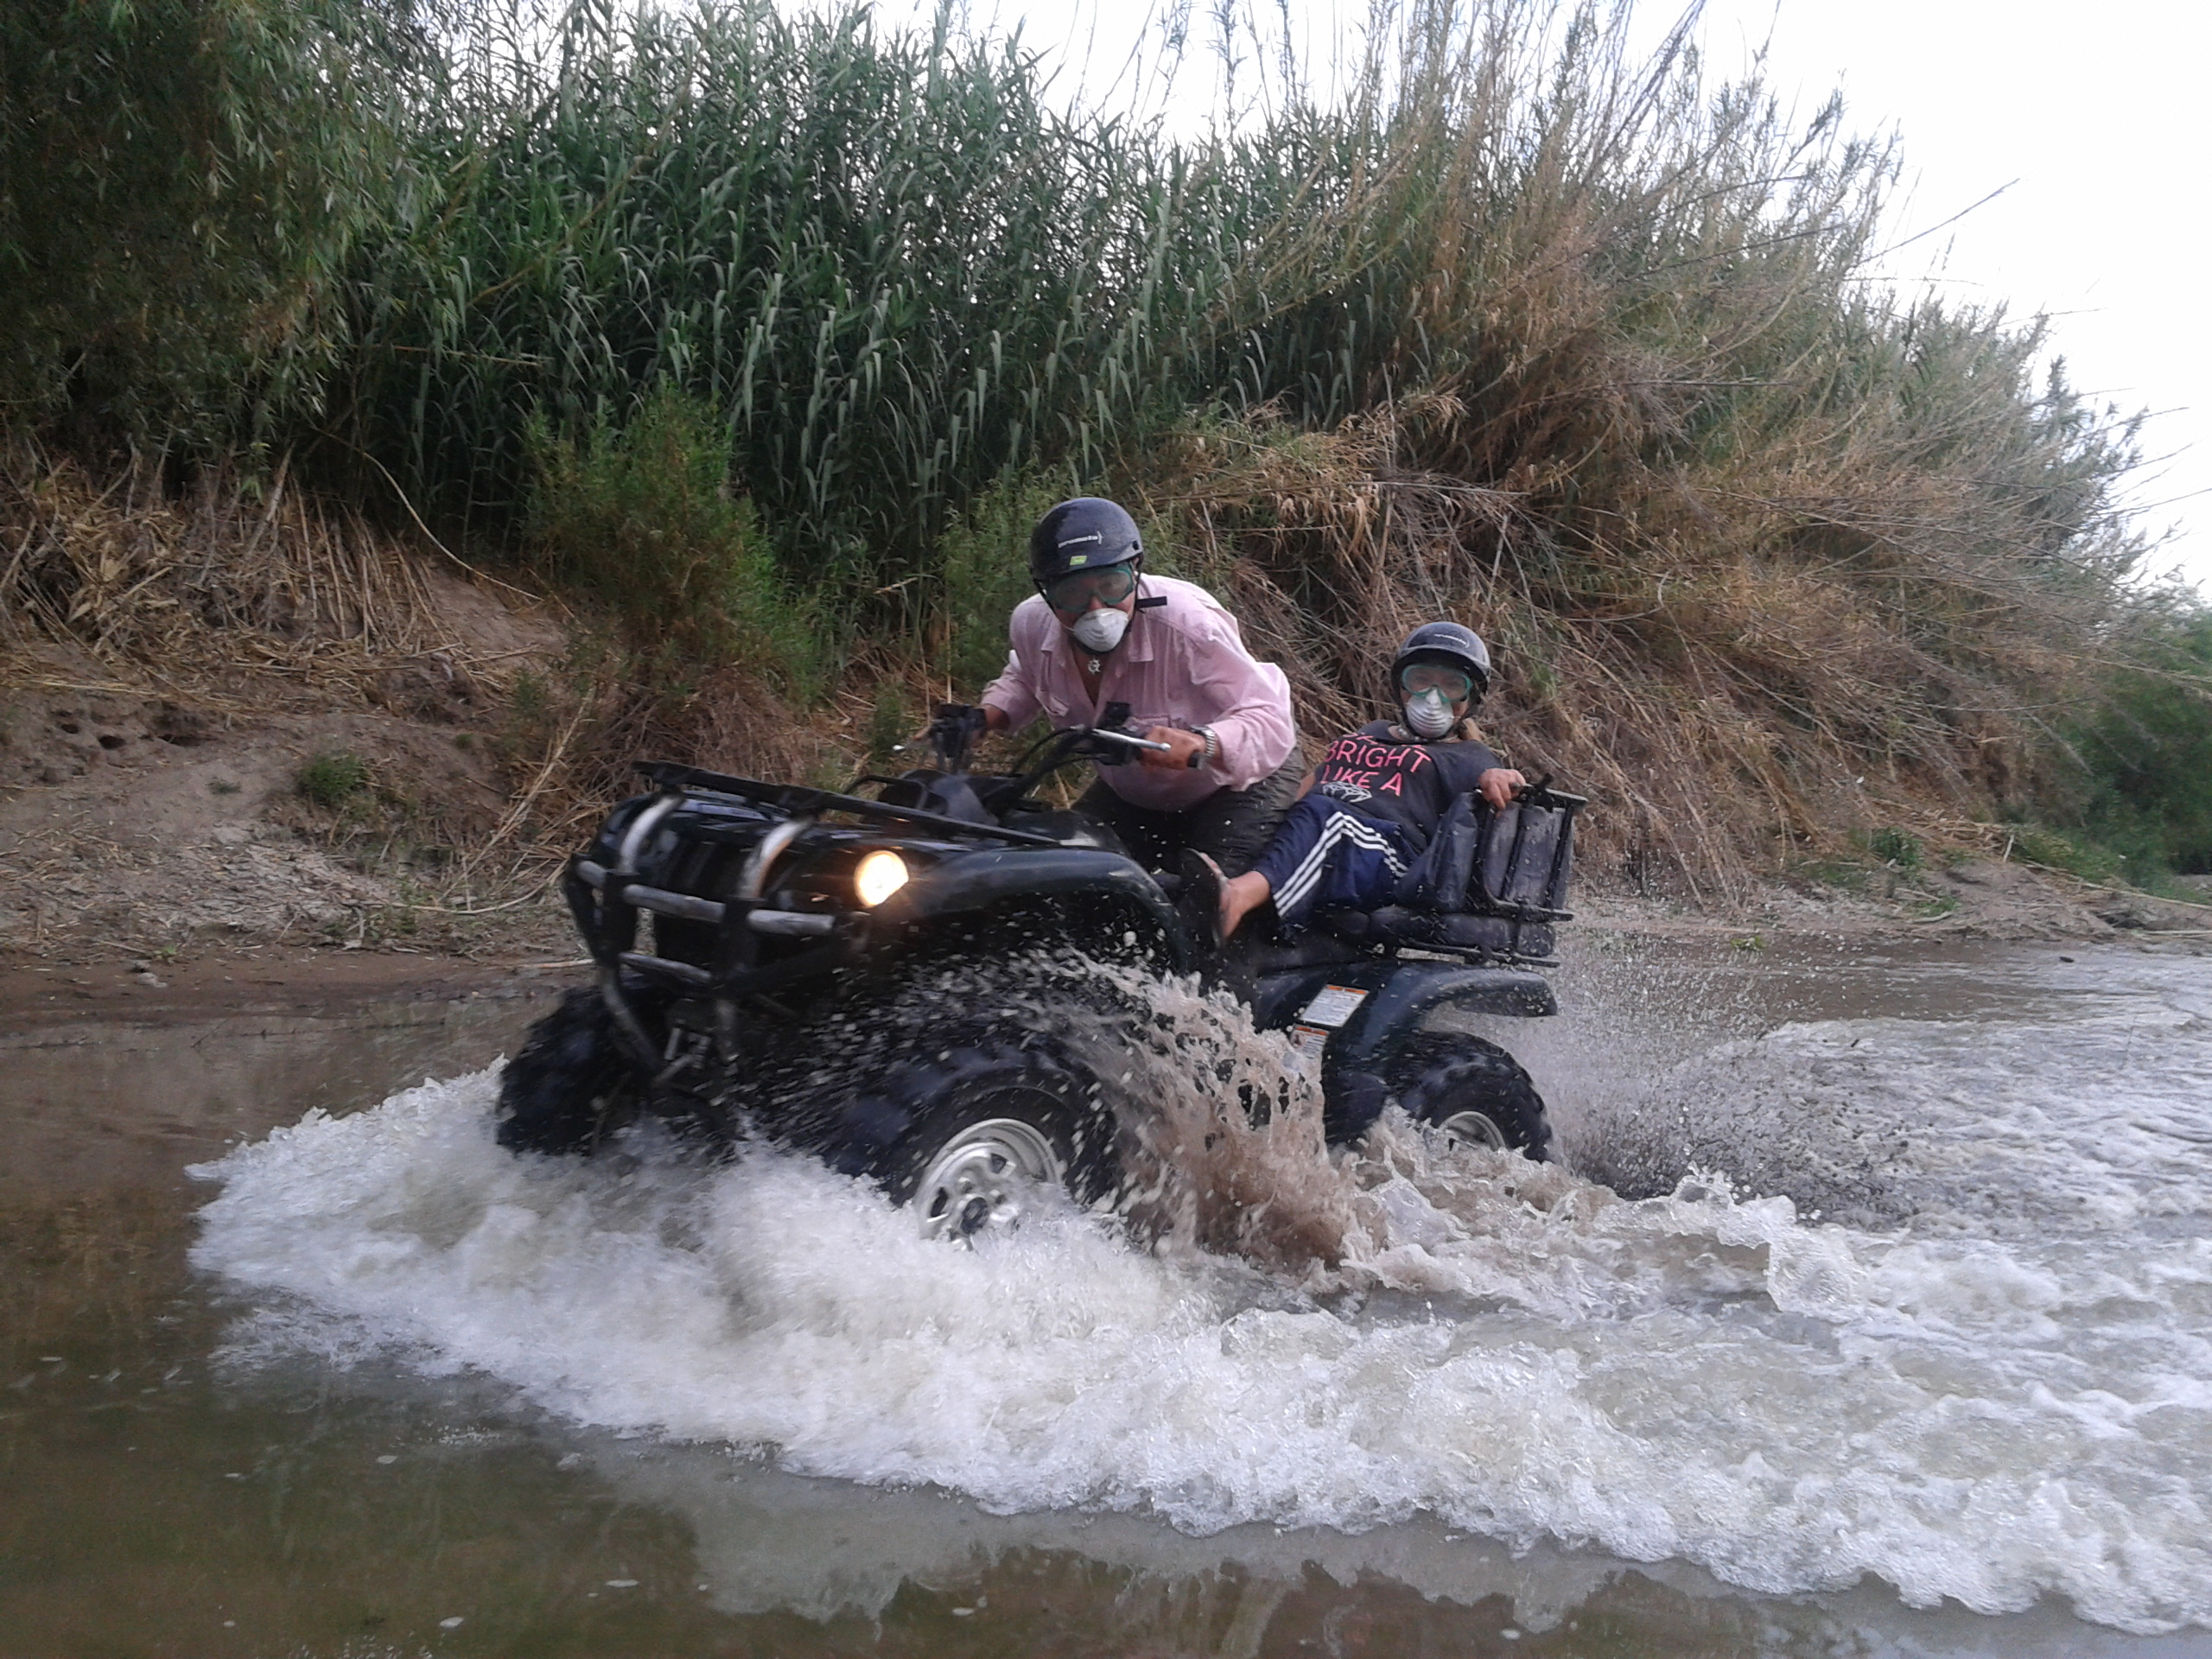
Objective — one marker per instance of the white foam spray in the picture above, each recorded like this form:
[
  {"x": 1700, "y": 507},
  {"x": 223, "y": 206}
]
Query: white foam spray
[{"x": 1992, "y": 1415}]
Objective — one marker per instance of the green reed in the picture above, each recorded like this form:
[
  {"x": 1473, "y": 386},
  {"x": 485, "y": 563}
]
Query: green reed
[{"x": 1576, "y": 342}]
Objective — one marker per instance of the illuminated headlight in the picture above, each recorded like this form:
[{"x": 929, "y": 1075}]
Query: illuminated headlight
[{"x": 880, "y": 874}]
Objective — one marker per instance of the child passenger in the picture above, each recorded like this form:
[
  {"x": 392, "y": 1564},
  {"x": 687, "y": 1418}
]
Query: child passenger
[{"x": 1383, "y": 790}]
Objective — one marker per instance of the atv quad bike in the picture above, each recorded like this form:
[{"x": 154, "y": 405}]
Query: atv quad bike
[{"x": 787, "y": 924}]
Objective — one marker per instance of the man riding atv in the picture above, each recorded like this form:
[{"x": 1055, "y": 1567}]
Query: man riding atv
[
  {"x": 908, "y": 984},
  {"x": 1357, "y": 841},
  {"x": 1224, "y": 764}
]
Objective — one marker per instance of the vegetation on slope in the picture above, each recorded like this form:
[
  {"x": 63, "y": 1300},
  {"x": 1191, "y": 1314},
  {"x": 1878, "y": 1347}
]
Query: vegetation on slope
[{"x": 771, "y": 332}]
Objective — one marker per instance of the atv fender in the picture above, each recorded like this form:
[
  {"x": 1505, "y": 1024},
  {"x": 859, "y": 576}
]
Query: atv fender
[
  {"x": 1401, "y": 995},
  {"x": 1100, "y": 891},
  {"x": 1396, "y": 1007}
]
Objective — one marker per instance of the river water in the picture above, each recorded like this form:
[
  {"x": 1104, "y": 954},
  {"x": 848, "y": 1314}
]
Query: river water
[{"x": 1871, "y": 1315}]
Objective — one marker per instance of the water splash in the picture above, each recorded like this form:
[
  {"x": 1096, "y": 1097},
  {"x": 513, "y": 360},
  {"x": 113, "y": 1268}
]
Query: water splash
[{"x": 1342, "y": 1340}]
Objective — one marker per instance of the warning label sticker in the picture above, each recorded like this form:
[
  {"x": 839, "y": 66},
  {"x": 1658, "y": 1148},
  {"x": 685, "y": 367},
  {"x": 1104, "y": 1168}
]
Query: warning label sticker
[{"x": 1331, "y": 1007}]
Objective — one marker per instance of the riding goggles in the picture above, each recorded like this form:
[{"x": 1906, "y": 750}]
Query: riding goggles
[
  {"x": 1071, "y": 595},
  {"x": 1456, "y": 685}
]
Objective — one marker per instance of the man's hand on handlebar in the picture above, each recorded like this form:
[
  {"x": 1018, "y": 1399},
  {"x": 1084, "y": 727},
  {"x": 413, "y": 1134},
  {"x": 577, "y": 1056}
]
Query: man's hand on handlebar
[
  {"x": 956, "y": 729},
  {"x": 1500, "y": 785},
  {"x": 1177, "y": 748},
  {"x": 968, "y": 721}
]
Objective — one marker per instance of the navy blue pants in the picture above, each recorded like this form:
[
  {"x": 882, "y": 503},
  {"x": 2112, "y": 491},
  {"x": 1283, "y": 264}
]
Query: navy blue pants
[{"x": 1324, "y": 854}]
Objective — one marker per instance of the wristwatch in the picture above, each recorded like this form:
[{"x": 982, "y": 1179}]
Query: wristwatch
[{"x": 1209, "y": 749}]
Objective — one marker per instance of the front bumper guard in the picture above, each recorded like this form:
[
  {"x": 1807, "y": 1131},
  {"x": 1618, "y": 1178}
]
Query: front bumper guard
[{"x": 606, "y": 903}]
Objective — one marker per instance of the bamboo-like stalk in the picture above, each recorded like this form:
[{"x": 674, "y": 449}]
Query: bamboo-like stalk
[{"x": 1577, "y": 345}]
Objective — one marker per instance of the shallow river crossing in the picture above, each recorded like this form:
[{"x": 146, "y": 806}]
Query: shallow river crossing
[{"x": 1901, "y": 1343}]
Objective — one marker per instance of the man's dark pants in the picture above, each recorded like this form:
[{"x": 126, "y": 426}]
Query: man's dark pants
[{"x": 1230, "y": 826}]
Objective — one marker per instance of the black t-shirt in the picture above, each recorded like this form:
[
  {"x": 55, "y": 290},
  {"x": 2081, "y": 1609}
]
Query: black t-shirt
[{"x": 1408, "y": 784}]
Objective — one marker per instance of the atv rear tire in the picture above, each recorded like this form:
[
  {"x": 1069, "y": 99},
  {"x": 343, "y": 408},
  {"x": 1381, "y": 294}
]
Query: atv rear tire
[
  {"x": 1474, "y": 1093},
  {"x": 996, "y": 1119},
  {"x": 572, "y": 1084}
]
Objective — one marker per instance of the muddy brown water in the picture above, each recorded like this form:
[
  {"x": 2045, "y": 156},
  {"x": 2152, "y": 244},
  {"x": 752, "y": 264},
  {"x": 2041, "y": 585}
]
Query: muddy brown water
[{"x": 171, "y": 1485}]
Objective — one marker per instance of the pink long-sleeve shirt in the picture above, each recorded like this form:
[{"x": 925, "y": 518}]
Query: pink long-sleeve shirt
[{"x": 1181, "y": 664}]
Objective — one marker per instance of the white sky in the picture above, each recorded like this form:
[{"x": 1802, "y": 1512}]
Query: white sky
[
  {"x": 2090, "y": 118},
  {"x": 2095, "y": 116}
]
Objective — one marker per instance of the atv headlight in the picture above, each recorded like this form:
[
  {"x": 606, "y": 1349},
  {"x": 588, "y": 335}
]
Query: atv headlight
[{"x": 882, "y": 874}]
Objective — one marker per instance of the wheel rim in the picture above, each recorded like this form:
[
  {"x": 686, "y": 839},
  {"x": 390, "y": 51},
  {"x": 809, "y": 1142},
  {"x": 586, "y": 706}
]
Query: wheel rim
[
  {"x": 1472, "y": 1129},
  {"x": 986, "y": 1179}
]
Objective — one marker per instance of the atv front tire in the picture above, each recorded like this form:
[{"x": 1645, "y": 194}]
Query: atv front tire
[
  {"x": 1474, "y": 1093},
  {"x": 572, "y": 1084},
  {"x": 997, "y": 1121}
]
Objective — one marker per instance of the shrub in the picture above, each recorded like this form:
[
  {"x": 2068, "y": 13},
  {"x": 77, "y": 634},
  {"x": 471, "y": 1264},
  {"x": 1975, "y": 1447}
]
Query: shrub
[
  {"x": 333, "y": 779},
  {"x": 643, "y": 519},
  {"x": 2057, "y": 850},
  {"x": 2149, "y": 750},
  {"x": 891, "y": 722},
  {"x": 1898, "y": 849},
  {"x": 983, "y": 562},
  {"x": 179, "y": 185}
]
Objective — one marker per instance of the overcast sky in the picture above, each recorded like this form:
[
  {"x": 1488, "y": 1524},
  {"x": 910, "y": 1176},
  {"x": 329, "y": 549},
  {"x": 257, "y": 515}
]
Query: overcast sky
[
  {"x": 2093, "y": 119},
  {"x": 2090, "y": 119}
]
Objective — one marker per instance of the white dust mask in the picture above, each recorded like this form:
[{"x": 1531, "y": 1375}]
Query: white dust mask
[
  {"x": 1100, "y": 630},
  {"x": 1428, "y": 714}
]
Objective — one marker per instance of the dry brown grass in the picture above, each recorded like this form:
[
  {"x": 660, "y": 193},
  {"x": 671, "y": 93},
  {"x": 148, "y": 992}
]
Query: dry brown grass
[
  {"x": 278, "y": 616},
  {"x": 217, "y": 591},
  {"x": 278, "y": 598},
  {"x": 1727, "y": 702}
]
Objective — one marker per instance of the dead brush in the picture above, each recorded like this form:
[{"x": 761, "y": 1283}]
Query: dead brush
[
  {"x": 222, "y": 599},
  {"x": 222, "y": 583},
  {"x": 573, "y": 740},
  {"x": 1717, "y": 697},
  {"x": 1591, "y": 361}
]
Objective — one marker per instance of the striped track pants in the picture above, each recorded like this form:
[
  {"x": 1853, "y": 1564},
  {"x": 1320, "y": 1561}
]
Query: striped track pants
[{"x": 1324, "y": 855}]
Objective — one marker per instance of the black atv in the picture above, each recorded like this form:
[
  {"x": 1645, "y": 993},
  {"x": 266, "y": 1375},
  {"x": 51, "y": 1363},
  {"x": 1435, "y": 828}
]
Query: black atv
[{"x": 789, "y": 927}]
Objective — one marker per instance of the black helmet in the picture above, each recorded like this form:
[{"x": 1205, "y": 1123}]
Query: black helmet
[
  {"x": 1445, "y": 642},
  {"x": 1082, "y": 535}
]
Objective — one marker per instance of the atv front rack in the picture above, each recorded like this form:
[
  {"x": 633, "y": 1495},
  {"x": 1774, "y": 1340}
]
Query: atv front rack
[
  {"x": 606, "y": 897},
  {"x": 672, "y": 778}
]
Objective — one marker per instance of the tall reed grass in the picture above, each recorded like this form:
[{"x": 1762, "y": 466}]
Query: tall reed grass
[
  {"x": 181, "y": 184},
  {"x": 1577, "y": 344}
]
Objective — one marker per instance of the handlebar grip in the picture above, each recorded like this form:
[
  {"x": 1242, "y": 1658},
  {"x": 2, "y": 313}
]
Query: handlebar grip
[{"x": 1126, "y": 738}]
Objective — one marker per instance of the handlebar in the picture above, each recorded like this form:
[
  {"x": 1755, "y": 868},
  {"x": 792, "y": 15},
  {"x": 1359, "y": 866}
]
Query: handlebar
[
  {"x": 1113, "y": 736},
  {"x": 957, "y": 727},
  {"x": 952, "y": 734}
]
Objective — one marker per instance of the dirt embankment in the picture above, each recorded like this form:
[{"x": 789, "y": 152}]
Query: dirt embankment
[
  {"x": 232, "y": 728},
  {"x": 148, "y": 818},
  {"x": 142, "y": 832}
]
